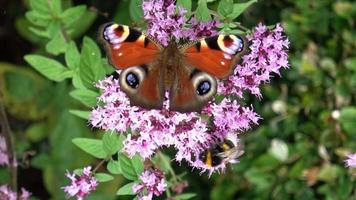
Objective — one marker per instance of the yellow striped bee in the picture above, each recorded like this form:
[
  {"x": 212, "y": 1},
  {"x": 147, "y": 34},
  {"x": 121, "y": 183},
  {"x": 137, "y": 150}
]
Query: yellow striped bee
[{"x": 225, "y": 152}]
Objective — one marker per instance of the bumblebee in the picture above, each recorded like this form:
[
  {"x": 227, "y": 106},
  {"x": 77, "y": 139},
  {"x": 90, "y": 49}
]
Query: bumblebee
[{"x": 222, "y": 152}]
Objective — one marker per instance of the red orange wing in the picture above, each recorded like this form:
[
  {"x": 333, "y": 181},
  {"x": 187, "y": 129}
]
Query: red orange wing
[
  {"x": 216, "y": 55},
  {"x": 127, "y": 47}
]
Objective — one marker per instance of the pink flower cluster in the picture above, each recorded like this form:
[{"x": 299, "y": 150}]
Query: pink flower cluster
[
  {"x": 4, "y": 159},
  {"x": 269, "y": 53},
  {"x": 152, "y": 183},
  {"x": 81, "y": 185},
  {"x": 351, "y": 161},
  {"x": 188, "y": 133},
  {"x": 166, "y": 21},
  {"x": 7, "y": 194}
]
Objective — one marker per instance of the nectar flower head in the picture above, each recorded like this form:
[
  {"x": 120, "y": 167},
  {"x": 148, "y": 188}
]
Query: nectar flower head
[
  {"x": 8, "y": 194},
  {"x": 350, "y": 162},
  {"x": 151, "y": 184},
  {"x": 81, "y": 185},
  {"x": 269, "y": 53},
  {"x": 167, "y": 22}
]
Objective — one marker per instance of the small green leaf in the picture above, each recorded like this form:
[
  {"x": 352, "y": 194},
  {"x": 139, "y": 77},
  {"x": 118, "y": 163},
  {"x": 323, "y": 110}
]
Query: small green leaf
[
  {"x": 127, "y": 167},
  {"x": 103, "y": 177},
  {"x": 185, "y": 196},
  {"x": 91, "y": 69},
  {"x": 50, "y": 68},
  {"x": 111, "y": 143},
  {"x": 40, "y": 6},
  {"x": 203, "y": 12},
  {"x": 57, "y": 45},
  {"x": 56, "y": 7},
  {"x": 72, "y": 56},
  {"x": 279, "y": 150},
  {"x": 80, "y": 113},
  {"x": 187, "y": 4},
  {"x": 73, "y": 14},
  {"x": 85, "y": 96},
  {"x": 126, "y": 189},
  {"x": 240, "y": 8},
  {"x": 225, "y": 7},
  {"x": 114, "y": 167},
  {"x": 348, "y": 120},
  {"x": 136, "y": 12},
  {"x": 37, "y": 18},
  {"x": 92, "y": 146}
]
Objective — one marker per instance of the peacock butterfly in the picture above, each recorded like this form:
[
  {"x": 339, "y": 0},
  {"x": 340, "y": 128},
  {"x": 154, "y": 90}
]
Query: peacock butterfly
[{"x": 188, "y": 71}]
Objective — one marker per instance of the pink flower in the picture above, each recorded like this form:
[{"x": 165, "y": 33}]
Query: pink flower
[
  {"x": 8, "y": 194},
  {"x": 269, "y": 53},
  {"x": 81, "y": 185},
  {"x": 152, "y": 184},
  {"x": 4, "y": 159},
  {"x": 168, "y": 22},
  {"x": 350, "y": 162}
]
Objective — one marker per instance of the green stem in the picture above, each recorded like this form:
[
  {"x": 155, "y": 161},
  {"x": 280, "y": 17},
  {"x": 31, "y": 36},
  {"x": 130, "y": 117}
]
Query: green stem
[
  {"x": 170, "y": 169},
  {"x": 99, "y": 165},
  {"x": 6, "y": 130}
]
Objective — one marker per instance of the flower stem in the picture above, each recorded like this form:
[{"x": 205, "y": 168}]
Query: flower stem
[
  {"x": 99, "y": 165},
  {"x": 6, "y": 131}
]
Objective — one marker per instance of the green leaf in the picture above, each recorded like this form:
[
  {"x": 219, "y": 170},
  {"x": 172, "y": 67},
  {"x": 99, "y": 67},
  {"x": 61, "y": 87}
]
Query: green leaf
[
  {"x": 57, "y": 45},
  {"x": 350, "y": 64},
  {"x": 226, "y": 7},
  {"x": 20, "y": 86},
  {"x": 187, "y": 4},
  {"x": 111, "y": 143},
  {"x": 114, "y": 167},
  {"x": 50, "y": 68},
  {"x": 73, "y": 14},
  {"x": 56, "y": 7},
  {"x": 80, "y": 113},
  {"x": 37, "y": 131},
  {"x": 91, "y": 69},
  {"x": 72, "y": 56},
  {"x": 82, "y": 25},
  {"x": 136, "y": 12},
  {"x": 185, "y": 196},
  {"x": 126, "y": 189},
  {"x": 37, "y": 18},
  {"x": 128, "y": 168},
  {"x": 203, "y": 12},
  {"x": 240, "y": 8},
  {"x": 279, "y": 150},
  {"x": 40, "y": 6},
  {"x": 85, "y": 96},
  {"x": 103, "y": 177},
  {"x": 348, "y": 120},
  {"x": 92, "y": 146}
]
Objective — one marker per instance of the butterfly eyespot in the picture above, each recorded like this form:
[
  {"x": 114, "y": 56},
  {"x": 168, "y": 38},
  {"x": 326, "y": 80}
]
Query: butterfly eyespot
[
  {"x": 132, "y": 80},
  {"x": 204, "y": 84},
  {"x": 203, "y": 87}
]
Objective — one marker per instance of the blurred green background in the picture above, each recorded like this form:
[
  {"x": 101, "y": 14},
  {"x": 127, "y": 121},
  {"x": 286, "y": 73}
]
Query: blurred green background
[{"x": 297, "y": 151}]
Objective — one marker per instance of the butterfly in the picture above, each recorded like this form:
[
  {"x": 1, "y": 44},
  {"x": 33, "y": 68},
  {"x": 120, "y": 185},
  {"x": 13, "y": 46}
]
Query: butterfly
[{"x": 189, "y": 71}]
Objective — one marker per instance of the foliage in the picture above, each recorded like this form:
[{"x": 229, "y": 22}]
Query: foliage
[{"x": 309, "y": 115}]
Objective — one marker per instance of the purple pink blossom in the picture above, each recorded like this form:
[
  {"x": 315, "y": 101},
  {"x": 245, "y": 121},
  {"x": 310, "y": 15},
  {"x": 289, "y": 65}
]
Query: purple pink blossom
[
  {"x": 81, "y": 185},
  {"x": 8, "y": 194},
  {"x": 167, "y": 22},
  {"x": 350, "y": 162},
  {"x": 152, "y": 183}
]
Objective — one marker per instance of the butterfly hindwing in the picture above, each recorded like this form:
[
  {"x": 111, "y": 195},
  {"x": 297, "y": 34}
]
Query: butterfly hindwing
[{"x": 216, "y": 55}]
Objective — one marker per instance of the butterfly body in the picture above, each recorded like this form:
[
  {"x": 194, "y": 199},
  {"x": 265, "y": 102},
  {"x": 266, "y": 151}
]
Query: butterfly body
[{"x": 188, "y": 71}]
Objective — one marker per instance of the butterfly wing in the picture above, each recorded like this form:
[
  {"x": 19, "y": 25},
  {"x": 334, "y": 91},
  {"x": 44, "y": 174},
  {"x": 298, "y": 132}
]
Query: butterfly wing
[
  {"x": 201, "y": 63},
  {"x": 216, "y": 55},
  {"x": 136, "y": 54}
]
